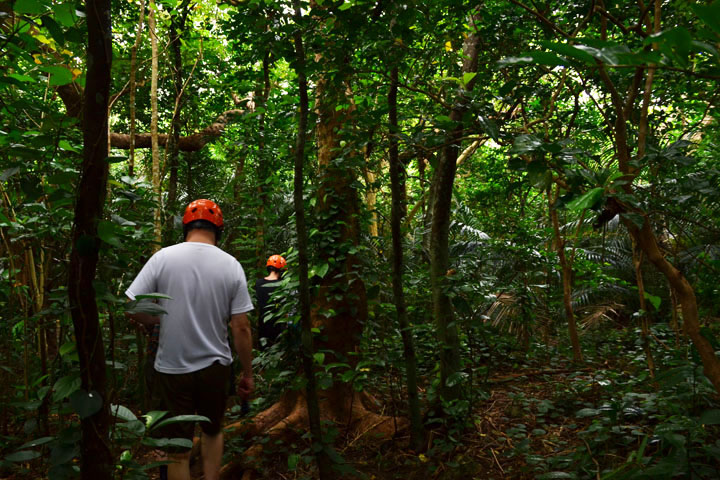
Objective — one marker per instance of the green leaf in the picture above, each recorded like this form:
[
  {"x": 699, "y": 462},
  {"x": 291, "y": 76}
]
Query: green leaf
[
  {"x": 587, "y": 200},
  {"x": 65, "y": 14},
  {"x": 123, "y": 413},
  {"x": 709, "y": 14},
  {"x": 455, "y": 378},
  {"x": 322, "y": 270},
  {"x": 54, "y": 29},
  {"x": 525, "y": 144},
  {"x": 345, "y": 6},
  {"x": 58, "y": 75},
  {"x": 675, "y": 44},
  {"x": 554, "y": 475},
  {"x": 65, "y": 387},
  {"x": 37, "y": 442},
  {"x": 655, "y": 301},
  {"x": 490, "y": 127},
  {"x": 467, "y": 77},
  {"x": 65, "y": 145},
  {"x": 319, "y": 358},
  {"x": 180, "y": 419},
  {"x": 30, "y": 7},
  {"x": 710, "y": 417},
  {"x": 107, "y": 233},
  {"x": 569, "y": 51},
  {"x": 153, "y": 416},
  {"x": 116, "y": 159},
  {"x": 293, "y": 460},
  {"x": 167, "y": 442},
  {"x": 22, "y": 456},
  {"x": 587, "y": 412},
  {"x": 86, "y": 404},
  {"x": 8, "y": 172}
]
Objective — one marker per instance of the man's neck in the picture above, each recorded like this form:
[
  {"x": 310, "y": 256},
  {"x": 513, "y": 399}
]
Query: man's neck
[
  {"x": 273, "y": 276},
  {"x": 201, "y": 236}
]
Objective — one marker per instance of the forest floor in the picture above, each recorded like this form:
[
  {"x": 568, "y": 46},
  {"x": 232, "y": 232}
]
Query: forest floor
[{"x": 522, "y": 420}]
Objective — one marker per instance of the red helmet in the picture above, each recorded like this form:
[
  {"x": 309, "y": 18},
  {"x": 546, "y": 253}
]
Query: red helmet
[
  {"x": 203, "y": 210},
  {"x": 276, "y": 261}
]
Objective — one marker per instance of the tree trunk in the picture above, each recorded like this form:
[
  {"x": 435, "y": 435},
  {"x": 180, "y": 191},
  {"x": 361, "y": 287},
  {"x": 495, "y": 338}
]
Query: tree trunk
[
  {"x": 172, "y": 150},
  {"x": 96, "y": 458},
  {"x": 322, "y": 458},
  {"x": 441, "y": 191},
  {"x": 157, "y": 218},
  {"x": 647, "y": 241},
  {"x": 262, "y": 194},
  {"x": 399, "y": 209},
  {"x": 566, "y": 269}
]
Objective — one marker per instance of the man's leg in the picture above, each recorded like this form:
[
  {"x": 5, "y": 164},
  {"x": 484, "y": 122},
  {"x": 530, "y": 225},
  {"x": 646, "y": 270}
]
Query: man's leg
[
  {"x": 212, "y": 450},
  {"x": 180, "y": 468}
]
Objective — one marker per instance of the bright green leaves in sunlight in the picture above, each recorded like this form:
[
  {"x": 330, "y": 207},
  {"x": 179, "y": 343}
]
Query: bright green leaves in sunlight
[
  {"x": 30, "y": 7},
  {"x": 587, "y": 200}
]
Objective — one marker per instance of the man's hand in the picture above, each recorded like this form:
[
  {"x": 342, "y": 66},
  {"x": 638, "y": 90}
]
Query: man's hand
[{"x": 245, "y": 387}]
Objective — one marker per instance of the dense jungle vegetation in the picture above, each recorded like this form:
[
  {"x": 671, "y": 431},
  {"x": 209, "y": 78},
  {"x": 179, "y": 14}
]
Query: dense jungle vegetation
[{"x": 502, "y": 222}]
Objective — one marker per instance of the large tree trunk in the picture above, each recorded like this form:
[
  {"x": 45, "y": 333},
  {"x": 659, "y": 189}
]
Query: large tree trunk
[
  {"x": 177, "y": 26},
  {"x": 96, "y": 457},
  {"x": 441, "y": 190},
  {"x": 321, "y": 455}
]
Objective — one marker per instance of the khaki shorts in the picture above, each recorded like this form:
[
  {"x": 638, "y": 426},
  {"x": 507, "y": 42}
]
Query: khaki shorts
[{"x": 203, "y": 392}]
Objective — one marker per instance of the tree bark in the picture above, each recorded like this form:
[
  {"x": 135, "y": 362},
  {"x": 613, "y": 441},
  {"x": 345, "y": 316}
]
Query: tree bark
[
  {"x": 157, "y": 218},
  {"x": 441, "y": 191},
  {"x": 96, "y": 458},
  {"x": 399, "y": 210},
  {"x": 322, "y": 458},
  {"x": 566, "y": 269},
  {"x": 177, "y": 26}
]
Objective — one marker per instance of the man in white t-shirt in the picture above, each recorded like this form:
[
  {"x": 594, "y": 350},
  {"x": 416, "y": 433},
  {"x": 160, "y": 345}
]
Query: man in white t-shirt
[{"x": 206, "y": 287}]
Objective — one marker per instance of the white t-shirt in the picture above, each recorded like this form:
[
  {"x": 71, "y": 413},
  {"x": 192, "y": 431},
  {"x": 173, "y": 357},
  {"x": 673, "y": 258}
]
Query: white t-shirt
[{"x": 206, "y": 286}]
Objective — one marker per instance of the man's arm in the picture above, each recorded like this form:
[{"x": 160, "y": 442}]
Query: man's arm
[{"x": 242, "y": 341}]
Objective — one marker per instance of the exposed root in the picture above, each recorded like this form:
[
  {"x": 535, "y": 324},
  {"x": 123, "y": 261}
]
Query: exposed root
[{"x": 289, "y": 415}]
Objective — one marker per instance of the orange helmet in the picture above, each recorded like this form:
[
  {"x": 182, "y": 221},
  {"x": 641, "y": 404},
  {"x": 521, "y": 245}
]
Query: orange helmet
[
  {"x": 203, "y": 210},
  {"x": 276, "y": 261}
]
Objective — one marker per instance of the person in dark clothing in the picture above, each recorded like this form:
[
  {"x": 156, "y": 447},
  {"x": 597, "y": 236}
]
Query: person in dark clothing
[{"x": 267, "y": 308}]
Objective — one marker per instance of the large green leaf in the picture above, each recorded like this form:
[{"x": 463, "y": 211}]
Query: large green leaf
[
  {"x": 65, "y": 387},
  {"x": 180, "y": 419},
  {"x": 587, "y": 200},
  {"x": 58, "y": 75},
  {"x": 710, "y": 14},
  {"x": 569, "y": 51},
  {"x": 23, "y": 456},
  {"x": 167, "y": 442},
  {"x": 123, "y": 413},
  {"x": 30, "y": 7},
  {"x": 108, "y": 233}
]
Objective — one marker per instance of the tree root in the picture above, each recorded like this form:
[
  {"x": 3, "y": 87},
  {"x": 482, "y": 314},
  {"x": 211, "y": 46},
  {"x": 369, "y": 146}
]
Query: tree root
[{"x": 289, "y": 416}]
